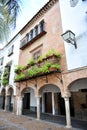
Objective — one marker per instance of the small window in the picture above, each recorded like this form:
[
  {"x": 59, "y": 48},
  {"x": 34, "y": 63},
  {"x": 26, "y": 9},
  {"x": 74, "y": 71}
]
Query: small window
[
  {"x": 42, "y": 26},
  {"x": 10, "y": 50},
  {"x": 31, "y": 34},
  {"x": 37, "y": 54},
  {"x": 1, "y": 61},
  {"x": 36, "y": 30}
]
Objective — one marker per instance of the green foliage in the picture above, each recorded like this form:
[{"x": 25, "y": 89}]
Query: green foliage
[
  {"x": 5, "y": 77},
  {"x": 36, "y": 70},
  {"x": 18, "y": 69},
  {"x": 45, "y": 68},
  {"x": 40, "y": 59},
  {"x": 57, "y": 66},
  {"x": 33, "y": 72},
  {"x": 31, "y": 61},
  {"x": 53, "y": 52},
  {"x": 21, "y": 76},
  {"x": 4, "y": 81},
  {"x": 8, "y": 15}
]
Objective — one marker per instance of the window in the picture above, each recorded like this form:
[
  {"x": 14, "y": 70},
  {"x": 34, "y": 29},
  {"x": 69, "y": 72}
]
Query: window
[
  {"x": 36, "y": 54},
  {"x": 31, "y": 34},
  {"x": 1, "y": 60},
  {"x": 42, "y": 26},
  {"x": 36, "y": 30},
  {"x": 10, "y": 50}
]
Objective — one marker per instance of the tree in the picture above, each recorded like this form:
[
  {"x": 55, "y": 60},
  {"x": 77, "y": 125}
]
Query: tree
[{"x": 9, "y": 10}]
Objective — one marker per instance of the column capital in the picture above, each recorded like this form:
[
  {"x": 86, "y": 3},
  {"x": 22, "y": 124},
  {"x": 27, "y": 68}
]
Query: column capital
[
  {"x": 38, "y": 96},
  {"x": 66, "y": 94}
]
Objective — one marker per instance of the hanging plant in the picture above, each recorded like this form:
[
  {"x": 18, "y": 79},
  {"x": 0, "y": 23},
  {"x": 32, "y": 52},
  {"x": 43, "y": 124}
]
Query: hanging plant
[
  {"x": 5, "y": 77},
  {"x": 51, "y": 53},
  {"x": 19, "y": 77},
  {"x": 31, "y": 62}
]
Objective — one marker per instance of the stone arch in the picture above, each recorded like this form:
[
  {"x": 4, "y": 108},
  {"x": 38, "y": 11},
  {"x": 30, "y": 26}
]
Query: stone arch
[
  {"x": 44, "y": 85},
  {"x": 3, "y": 91},
  {"x": 25, "y": 89},
  {"x": 10, "y": 99},
  {"x": 51, "y": 100},
  {"x": 78, "y": 99},
  {"x": 10, "y": 91},
  {"x": 3, "y": 94},
  {"x": 73, "y": 76},
  {"x": 29, "y": 102}
]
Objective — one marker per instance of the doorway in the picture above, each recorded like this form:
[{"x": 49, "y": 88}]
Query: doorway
[
  {"x": 26, "y": 101},
  {"x": 48, "y": 102}
]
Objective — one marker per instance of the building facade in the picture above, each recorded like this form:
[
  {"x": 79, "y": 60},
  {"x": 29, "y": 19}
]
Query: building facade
[
  {"x": 51, "y": 75},
  {"x": 8, "y": 61},
  {"x": 40, "y": 89}
]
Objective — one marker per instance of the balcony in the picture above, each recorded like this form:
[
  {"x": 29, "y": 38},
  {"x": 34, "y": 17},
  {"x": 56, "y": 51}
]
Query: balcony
[
  {"x": 42, "y": 67},
  {"x": 26, "y": 41}
]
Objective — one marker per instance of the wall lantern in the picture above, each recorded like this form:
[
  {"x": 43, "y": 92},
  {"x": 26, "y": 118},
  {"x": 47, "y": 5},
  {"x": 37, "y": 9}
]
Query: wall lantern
[{"x": 69, "y": 37}]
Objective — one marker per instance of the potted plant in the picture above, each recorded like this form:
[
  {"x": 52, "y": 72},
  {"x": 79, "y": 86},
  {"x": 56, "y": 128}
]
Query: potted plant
[
  {"x": 19, "y": 77},
  {"x": 31, "y": 62},
  {"x": 45, "y": 68},
  {"x": 52, "y": 53},
  {"x": 40, "y": 59},
  {"x": 54, "y": 67},
  {"x": 18, "y": 69},
  {"x": 33, "y": 72}
]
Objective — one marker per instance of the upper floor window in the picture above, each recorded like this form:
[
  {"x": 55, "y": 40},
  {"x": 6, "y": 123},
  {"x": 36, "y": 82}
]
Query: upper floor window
[
  {"x": 36, "y": 30},
  {"x": 1, "y": 60},
  {"x": 10, "y": 50},
  {"x": 31, "y": 34},
  {"x": 42, "y": 26}
]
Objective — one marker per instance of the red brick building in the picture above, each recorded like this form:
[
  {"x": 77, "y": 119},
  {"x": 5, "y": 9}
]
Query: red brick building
[{"x": 40, "y": 89}]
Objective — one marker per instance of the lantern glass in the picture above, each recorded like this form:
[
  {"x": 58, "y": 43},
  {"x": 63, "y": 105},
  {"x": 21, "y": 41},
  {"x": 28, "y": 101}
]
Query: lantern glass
[{"x": 68, "y": 36}]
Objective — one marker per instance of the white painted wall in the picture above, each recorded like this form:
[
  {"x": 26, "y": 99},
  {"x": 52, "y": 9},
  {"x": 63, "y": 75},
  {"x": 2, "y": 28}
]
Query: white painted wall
[
  {"x": 75, "y": 19},
  {"x": 14, "y": 58}
]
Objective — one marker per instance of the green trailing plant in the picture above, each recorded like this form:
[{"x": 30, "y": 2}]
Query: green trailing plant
[
  {"x": 33, "y": 72},
  {"x": 45, "y": 68},
  {"x": 5, "y": 77},
  {"x": 40, "y": 59},
  {"x": 6, "y": 72},
  {"x": 56, "y": 66},
  {"x": 52, "y": 52},
  {"x": 19, "y": 69},
  {"x": 5, "y": 81},
  {"x": 31, "y": 61},
  {"x": 21, "y": 76}
]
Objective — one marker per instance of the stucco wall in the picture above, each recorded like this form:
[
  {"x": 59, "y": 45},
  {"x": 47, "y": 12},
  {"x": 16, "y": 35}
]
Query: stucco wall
[{"x": 75, "y": 19}]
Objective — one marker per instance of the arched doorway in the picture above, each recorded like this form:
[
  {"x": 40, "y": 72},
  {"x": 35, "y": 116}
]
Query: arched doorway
[
  {"x": 10, "y": 100},
  {"x": 29, "y": 103},
  {"x": 2, "y": 99},
  {"x": 51, "y": 101},
  {"x": 78, "y": 104}
]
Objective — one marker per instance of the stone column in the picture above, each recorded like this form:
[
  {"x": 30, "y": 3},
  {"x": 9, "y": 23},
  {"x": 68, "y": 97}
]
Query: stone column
[
  {"x": 6, "y": 102},
  {"x": 13, "y": 98},
  {"x": 53, "y": 109},
  {"x": 19, "y": 106},
  {"x": 38, "y": 107},
  {"x": 67, "y": 108}
]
